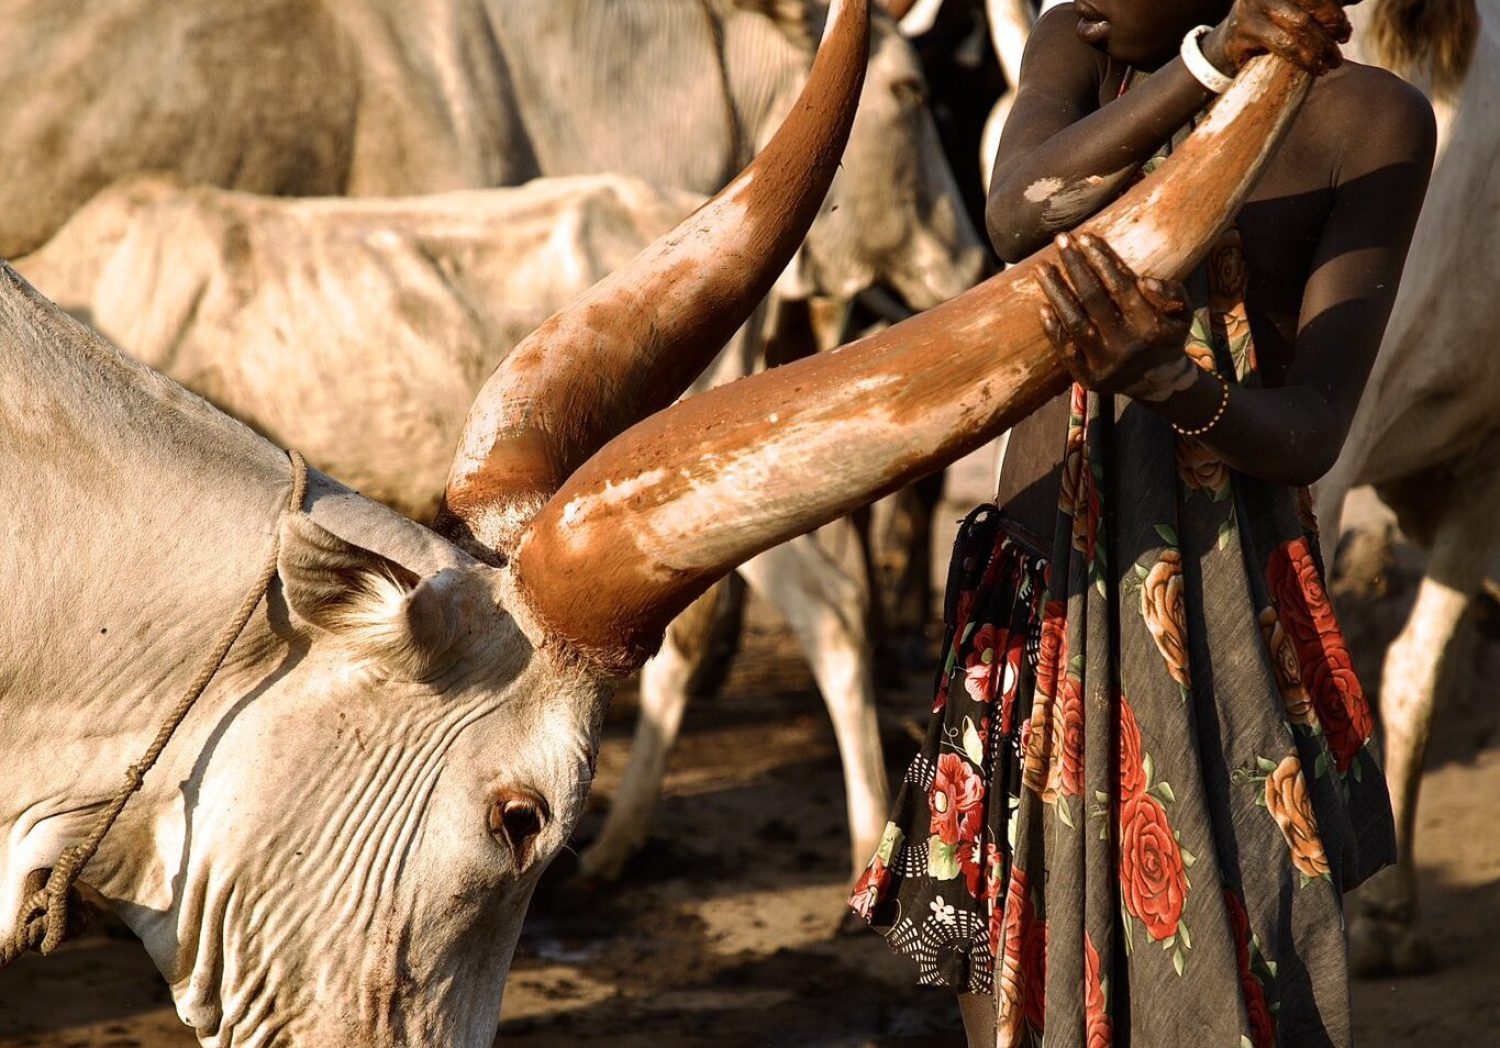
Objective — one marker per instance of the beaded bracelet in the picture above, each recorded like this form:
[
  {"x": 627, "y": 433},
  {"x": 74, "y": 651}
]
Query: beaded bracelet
[{"x": 1198, "y": 431}]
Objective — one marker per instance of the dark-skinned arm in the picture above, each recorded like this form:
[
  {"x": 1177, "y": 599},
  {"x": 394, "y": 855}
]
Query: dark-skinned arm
[
  {"x": 1063, "y": 157},
  {"x": 1120, "y": 334},
  {"x": 1292, "y": 434}
]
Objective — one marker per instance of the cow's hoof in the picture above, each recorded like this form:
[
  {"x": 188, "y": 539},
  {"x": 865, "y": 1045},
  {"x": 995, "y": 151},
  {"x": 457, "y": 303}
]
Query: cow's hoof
[{"x": 1381, "y": 948}]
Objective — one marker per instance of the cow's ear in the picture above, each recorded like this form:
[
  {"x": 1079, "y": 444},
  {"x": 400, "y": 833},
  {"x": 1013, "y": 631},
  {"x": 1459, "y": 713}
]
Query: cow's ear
[{"x": 382, "y": 610}]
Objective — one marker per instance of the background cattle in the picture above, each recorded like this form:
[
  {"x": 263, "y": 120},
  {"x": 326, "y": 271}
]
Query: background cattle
[
  {"x": 358, "y": 332},
  {"x": 1425, "y": 434},
  {"x": 679, "y": 92},
  {"x": 388, "y": 98},
  {"x": 395, "y": 737}
]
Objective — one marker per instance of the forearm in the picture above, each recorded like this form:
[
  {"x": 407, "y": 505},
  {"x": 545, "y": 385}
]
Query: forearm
[
  {"x": 1289, "y": 435},
  {"x": 1054, "y": 185}
]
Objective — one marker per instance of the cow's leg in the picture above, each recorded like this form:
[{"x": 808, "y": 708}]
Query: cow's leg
[
  {"x": 665, "y": 684},
  {"x": 1384, "y": 934},
  {"x": 890, "y": 662},
  {"x": 826, "y": 609},
  {"x": 911, "y": 527}
]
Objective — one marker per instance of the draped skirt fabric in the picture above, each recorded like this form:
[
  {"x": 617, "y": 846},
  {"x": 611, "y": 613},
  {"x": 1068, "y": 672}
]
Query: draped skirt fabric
[{"x": 1150, "y": 771}]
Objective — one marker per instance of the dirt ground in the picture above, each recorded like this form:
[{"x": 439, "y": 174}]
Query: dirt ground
[{"x": 724, "y": 931}]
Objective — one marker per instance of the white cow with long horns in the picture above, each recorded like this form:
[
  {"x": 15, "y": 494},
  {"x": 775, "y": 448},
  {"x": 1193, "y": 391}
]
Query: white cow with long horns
[
  {"x": 358, "y": 332},
  {"x": 270, "y": 305},
  {"x": 338, "y": 844}
]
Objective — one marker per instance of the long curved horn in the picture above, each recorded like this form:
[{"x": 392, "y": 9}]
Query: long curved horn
[
  {"x": 680, "y": 499},
  {"x": 634, "y": 341}
]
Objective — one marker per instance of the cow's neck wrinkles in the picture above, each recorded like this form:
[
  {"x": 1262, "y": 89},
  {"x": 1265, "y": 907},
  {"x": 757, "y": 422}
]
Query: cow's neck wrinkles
[{"x": 139, "y": 518}]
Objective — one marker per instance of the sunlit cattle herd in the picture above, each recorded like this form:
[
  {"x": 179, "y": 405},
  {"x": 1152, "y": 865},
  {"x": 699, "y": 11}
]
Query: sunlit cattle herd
[{"x": 461, "y": 255}]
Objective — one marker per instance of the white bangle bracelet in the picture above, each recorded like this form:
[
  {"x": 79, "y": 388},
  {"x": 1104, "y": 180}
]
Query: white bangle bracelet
[{"x": 1204, "y": 71}]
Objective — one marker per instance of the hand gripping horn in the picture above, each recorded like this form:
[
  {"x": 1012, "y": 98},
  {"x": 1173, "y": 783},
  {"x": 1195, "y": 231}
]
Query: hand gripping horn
[{"x": 678, "y": 500}]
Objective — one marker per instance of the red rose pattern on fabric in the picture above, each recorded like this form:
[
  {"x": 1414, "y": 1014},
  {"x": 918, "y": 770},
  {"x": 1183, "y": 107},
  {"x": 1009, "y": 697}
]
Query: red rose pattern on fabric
[
  {"x": 1338, "y": 699},
  {"x": 1132, "y": 757},
  {"x": 1034, "y": 972},
  {"x": 980, "y": 669},
  {"x": 1010, "y": 678},
  {"x": 1262, "y": 1022},
  {"x": 971, "y": 864},
  {"x": 1327, "y": 672},
  {"x": 956, "y": 796},
  {"x": 1098, "y": 1029},
  {"x": 1070, "y": 731},
  {"x": 994, "y": 888},
  {"x": 1152, "y": 877}
]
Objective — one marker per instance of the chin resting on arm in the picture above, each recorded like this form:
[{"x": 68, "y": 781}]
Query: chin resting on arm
[
  {"x": 1119, "y": 333},
  {"x": 1062, "y": 157}
]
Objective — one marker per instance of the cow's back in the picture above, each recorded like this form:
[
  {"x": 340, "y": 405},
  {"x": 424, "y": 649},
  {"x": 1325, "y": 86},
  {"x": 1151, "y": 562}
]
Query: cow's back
[
  {"x": 282, "y": 97},
  {"x": 354, "y": 330},
  {"x": 635, "y": 86},
  {"x": 126, "y": 499},
  {"x": 1430, "y": 399}
]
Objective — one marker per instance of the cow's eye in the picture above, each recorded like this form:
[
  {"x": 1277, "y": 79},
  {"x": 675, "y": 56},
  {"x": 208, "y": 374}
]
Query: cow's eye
[{"x": 516, "y": 819}]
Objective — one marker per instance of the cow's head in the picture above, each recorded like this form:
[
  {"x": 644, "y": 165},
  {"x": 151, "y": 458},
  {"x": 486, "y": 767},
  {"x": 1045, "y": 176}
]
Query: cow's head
[
  {"x": 346, "y": 856},
  {"x": 361, "y": 832},
  {"x": 895, "y": 216},
  {"x": 422, "y": 749}
]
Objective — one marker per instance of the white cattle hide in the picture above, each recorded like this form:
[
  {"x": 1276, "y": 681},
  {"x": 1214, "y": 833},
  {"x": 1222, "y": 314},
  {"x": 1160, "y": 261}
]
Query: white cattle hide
[
  {"x": 1426, "y": 436},
  {"x": 358, "y": 332},
  {"x": 320, "y": 802},
  {"x": 391, "y": 97}
]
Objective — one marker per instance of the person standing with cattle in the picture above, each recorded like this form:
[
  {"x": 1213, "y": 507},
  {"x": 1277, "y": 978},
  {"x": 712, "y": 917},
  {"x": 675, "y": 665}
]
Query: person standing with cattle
[{"x": 1150, "y": 772}]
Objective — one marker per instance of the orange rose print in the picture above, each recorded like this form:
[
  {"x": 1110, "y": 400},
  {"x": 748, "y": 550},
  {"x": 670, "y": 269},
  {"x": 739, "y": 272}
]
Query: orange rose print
[
  {"x": 1166, "y": 616},
  {"x": 1200, "y": 468},
  {"x": 1052, "y": 652},
  {"x": 1291, "y": 807},
  {"x": 1294, "y": 697},
  {"x": 1015, "y": 987},
  {"x": 1041, "y": 750}
]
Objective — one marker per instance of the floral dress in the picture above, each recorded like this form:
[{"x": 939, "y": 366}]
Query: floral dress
[{"x": 1150, "y": 772}]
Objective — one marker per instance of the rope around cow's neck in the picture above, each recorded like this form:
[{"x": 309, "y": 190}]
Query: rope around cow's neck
[{"x": 43, "y": 919}]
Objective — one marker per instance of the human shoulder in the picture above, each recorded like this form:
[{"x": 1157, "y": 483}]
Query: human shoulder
[
  {"x": 1376, "y": 117},
  {"x": 1056, "y": 59}
]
